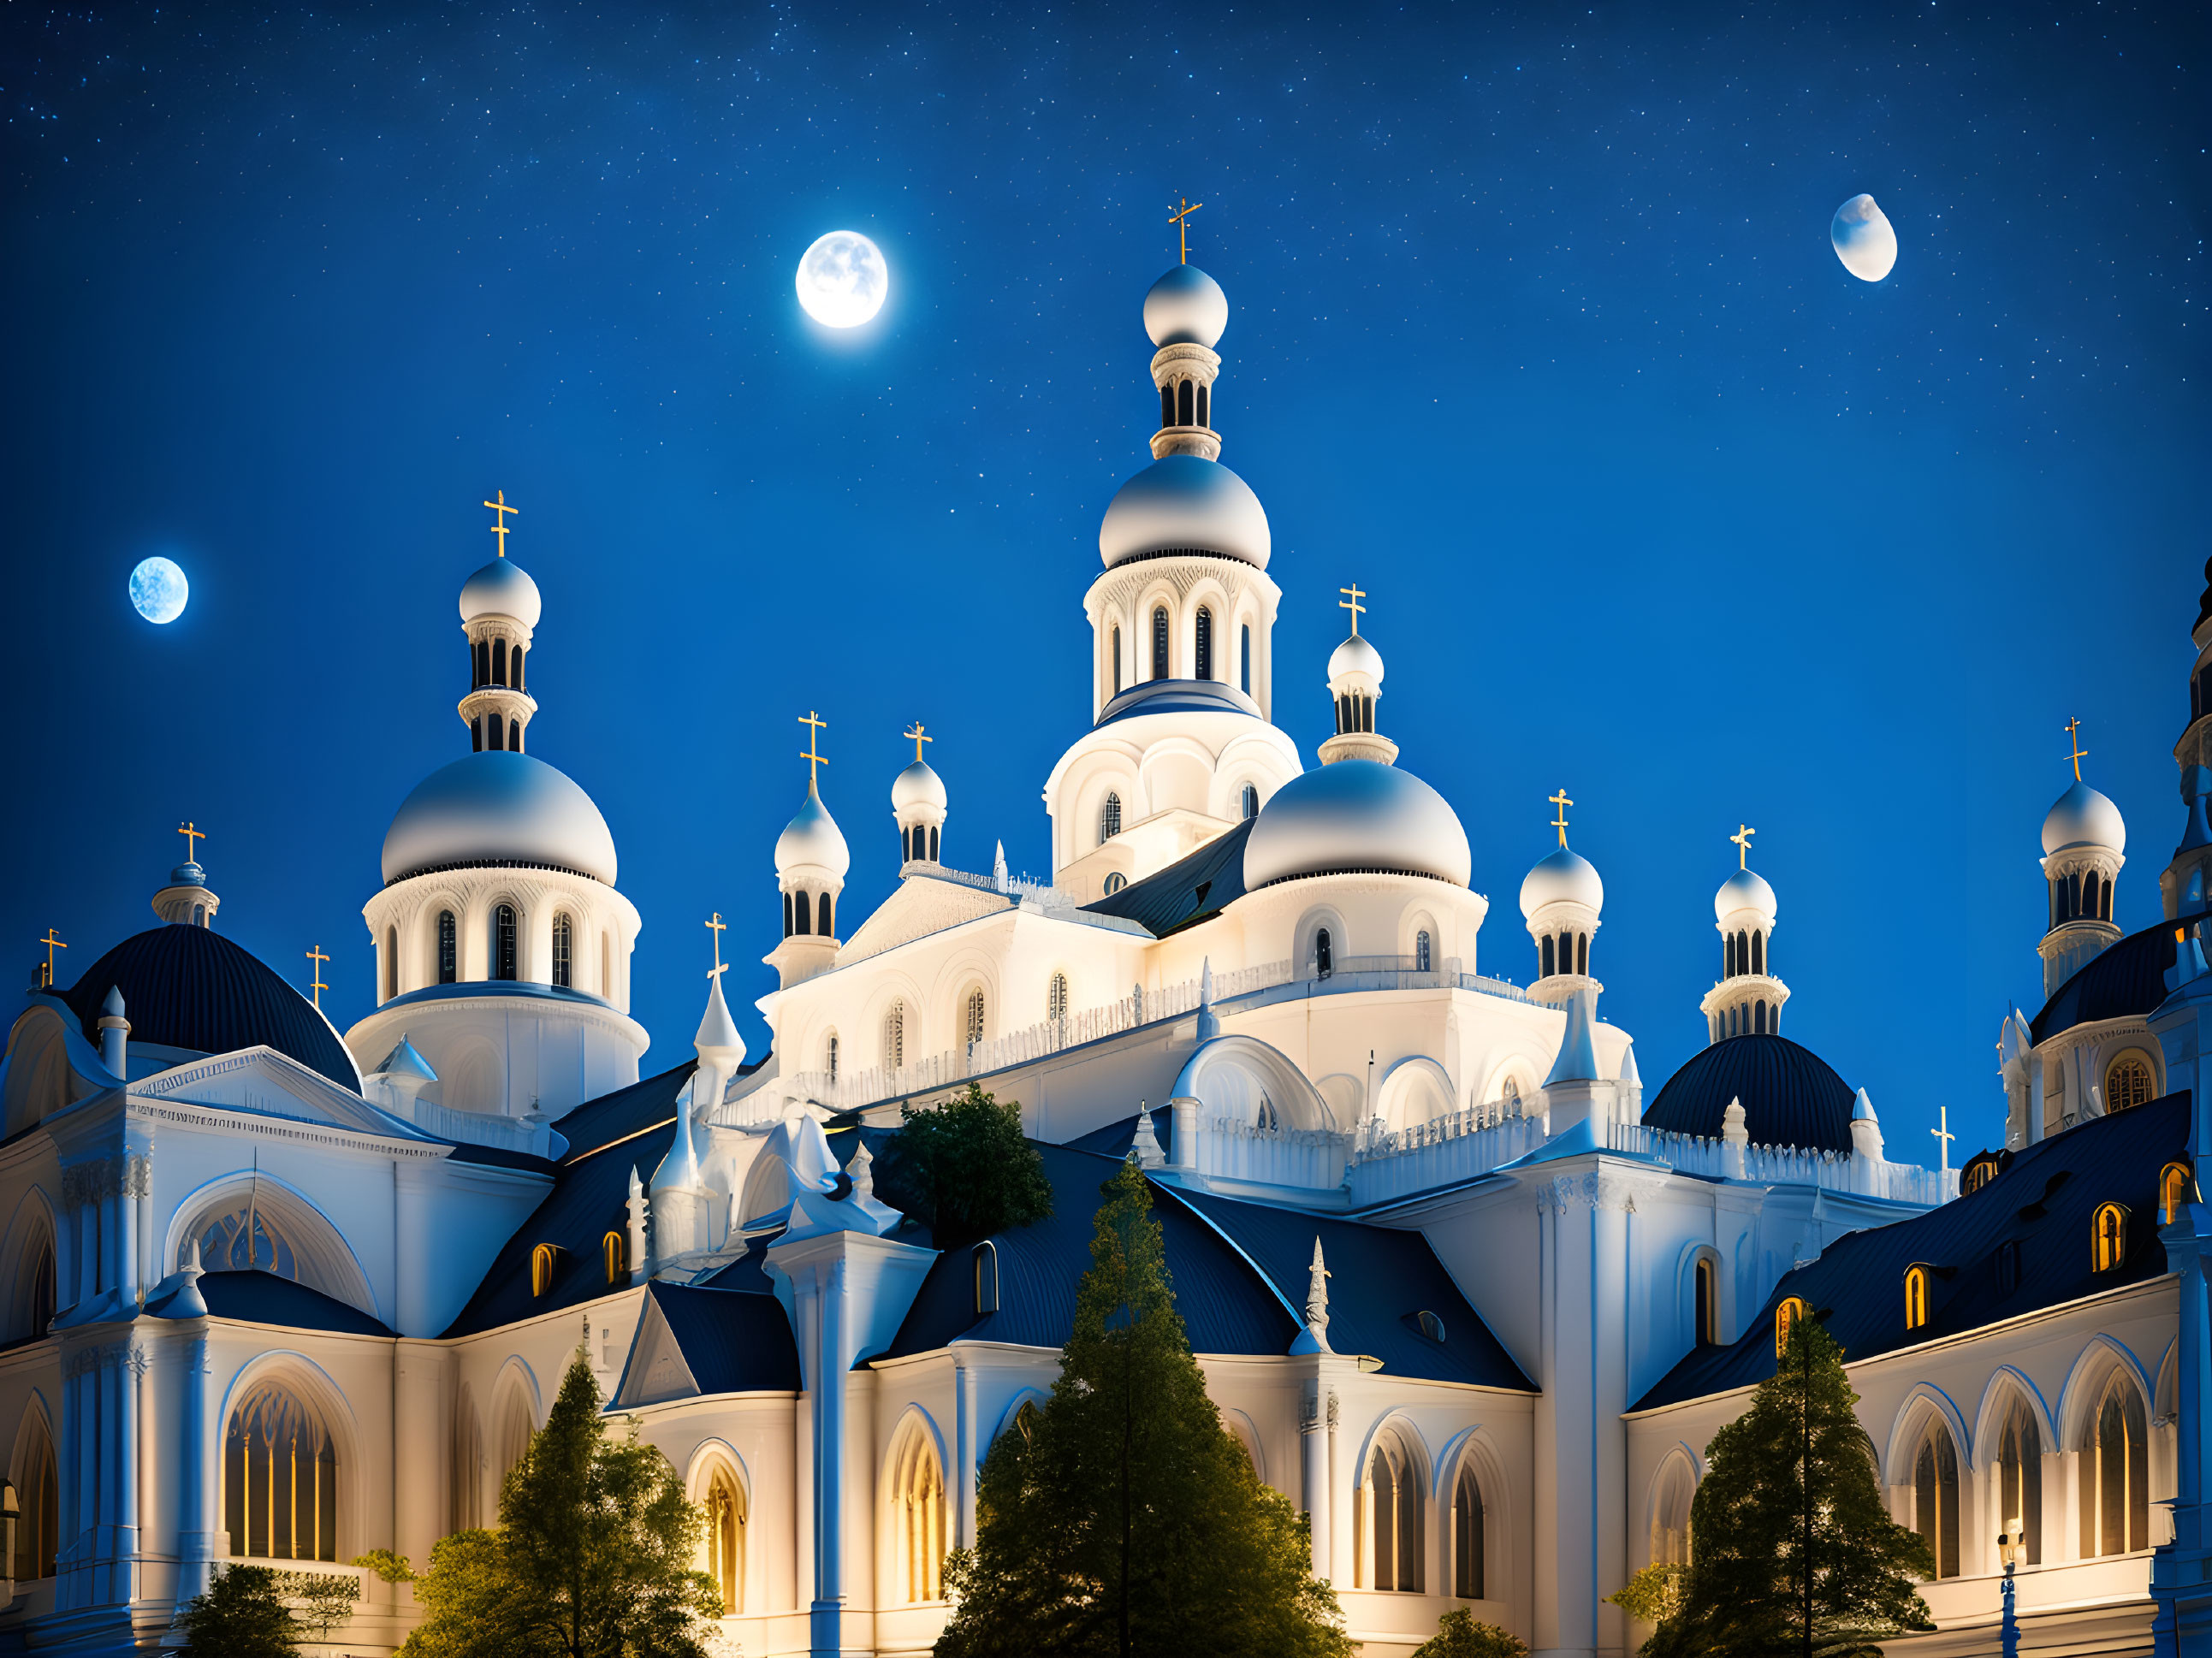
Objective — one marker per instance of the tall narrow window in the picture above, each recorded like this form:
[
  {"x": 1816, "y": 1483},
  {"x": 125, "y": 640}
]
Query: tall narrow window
[
  {"x": 1324, "y": 955},
  {"x": 481, "y": 657},
  {"x": 725, "y": 1539},
  {"x": 1422, "y": 953},
  {"x": 1466, "y": 1535},
  {"x": 975, "y": 1018},
  {"x": 2089, "y": 894},
  {"x": 802, "y": 912},
  {"x": 564, "y": 952},
  {"x": 986, "y": 1263},
  {"x": 495, "y": 732},
  {"x": 541, "y": 1269},
  {"x": 1386, "y": 1518},
  {"x": 1759, "y": 952},
  {"x": 391, "y": 963},
  {"x": 1785, "y": 1320},
  {"x": 1707, "y": 1309},
  {"x": 1204, "y": 643},
  {"x": 1250, "y": 802},
  {"x": 1055, "y": 998},
  {"x": 1118, "y": 661},
  {"x": 1915, "y": 1298},
  {"x": 2177, "y": 1189},
  {"x": 449, "y": 966},
  {"x": 38, "y": 1530},
  {"x": 895, "y": 1036},
  {"x": 1167, "y": 405},
  {"x": 280, "y": 1479},
  {"x": 502, "y": 941},
  {"x": 1110, "y": 818},
  {"x": 614, "y": 1252},
  {"x": 2019, "y": 1480},
  {"x": 1935, "y": 1497},
  {"x": 825, "y": 915},
  {"x": 607, "y": 965},
  {"x": 2109, "y": 1237},
  {"x": 1670, "y": 1515},
  {"x": 918, "y": 1517},
  {"x": 788, "y": 912},
  {"x": 1759, "y": 1017},
  {"x": 829, "y": 1055},
  {"x": 499, "y": 662},
  {"x": 1205, "y": 406},
  {"x": 1582, "y": 953},
  {"x": 1186, "y": 403},
  {"x": 1728, "y": 957},
  {"x": 1245, "y": 660},
  {"x": 1160, "y": 642},
  {"x": 514, "y": 736},
  {"x": 2115, "y": 1472},
  {"x": 1546, "y": 960}
]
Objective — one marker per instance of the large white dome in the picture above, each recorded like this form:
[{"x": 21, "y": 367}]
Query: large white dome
[
  {"x": 812, "y": 838},
  {"x": 1566, "y": 876},
  {"x": 1357, "y": 815},
  {"x": 2082, "y": 817},
  {"x": 502, "y": 587},
  {"x": 1745, "y": 889},
  {"x": 497, "y": 807},
  {"x": 1186, "y": 308},
  {"x": 919, "y": 785},
  {"x": 1181, "y": 503}
]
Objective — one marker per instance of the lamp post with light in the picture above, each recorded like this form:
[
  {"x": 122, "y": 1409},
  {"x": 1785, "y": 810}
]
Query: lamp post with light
[{"x": 2010, "y": 1546}]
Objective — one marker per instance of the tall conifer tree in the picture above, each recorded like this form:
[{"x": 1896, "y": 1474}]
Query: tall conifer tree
[{"x": 1122, "y": 1520}]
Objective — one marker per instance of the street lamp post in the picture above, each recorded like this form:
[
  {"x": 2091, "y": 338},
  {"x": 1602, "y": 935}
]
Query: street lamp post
[{"x": 2009, "y": 1549}]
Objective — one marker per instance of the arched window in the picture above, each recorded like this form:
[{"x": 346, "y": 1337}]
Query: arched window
[
  {"x": 475, "y": 735},
  {"x": 895, "y": 1036},
  {"x": 1566, "y": 952},
  {"x": 1160, "y": 641},
  {"x": 515, "y": 660},
  {"x": 725, "y": 1538},
  {"x": 1582, "y": 953},
  {"x": 1422, "y": 953},
  {"x": 2115, "y": 1472},
  {"x": 391, "y": 960},
  {"x": 802, "y": 912},
  {"x": 1115, "y": 881},
  {"x": 1545, "y": 959},
  {"x": 1466, "y": 1535},
  {"x": 614, "y": 1251},
  {"x": 986, "y": 1263},
  {"x": 2089, "y": 894},
  {"x": 2127, "y": 1082},
  {"x": 2109, "y": 1237},
  {"x": 465, "y": 1475},
  {"x": 480, "y": 658},
  {"x": 564, "y": 952},
  {"x": 1055, "y": 998},
  {"x": 515, "y": 736},
  {"x": 2106, "y": 913},
  {"x": 1118, "y": 661},
  {"x": 918, "y": 1517},
  {"x": 1186, "y": 403},
  {"x": 786, "y": 915},
  {"x": 1670, "y": 1515},
  {"x": 495, "y": 732},
  {"x": 1706, "y": 1309},
  {"x": 825, "y": 916},
  {"x": 1759, "y": 952},
  {"x": 2019, "y": 1480},
  {"x": 1759, "y": 1017},
  {"x": 502, "y": 941},
  {"x": 449, "y": 965},
  {"x": 1110, "y": 818},
  {"x": 499, "y": 662},
  {"x": 975, "y": 1025},
  {"x": 1728, "y": 957},
  {"x": 1915, "y": 1298},
  {"x": 279, "y": 1479},
  {"x": 2177, "y": 1189},
  {"x": 1205, "y": 413},
  {"x": 1977, "y": 1173},
  {"x": 1324, "y": 957},
  {"x": 1250, "y": 802},
  {"x": 1167, "y": 404},
  {"x": 1387, "y": 1517},
  {"x": 1205, "y": 665},
  {"x": 830, "y": 1055},
  {"x": 1936, "y": 1495},
  {"x": 1785, "y": 1320},
  {"x": 541, "y": 1269},
  {"x": 38, "y": 1493},
  {"x": 1244, "y": 660}
]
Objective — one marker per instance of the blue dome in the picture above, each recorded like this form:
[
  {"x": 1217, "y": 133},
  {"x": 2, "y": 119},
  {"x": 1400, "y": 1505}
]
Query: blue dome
[
  {"x": 498, "y": 808},
  {"x": 1790, "y": 1095}
]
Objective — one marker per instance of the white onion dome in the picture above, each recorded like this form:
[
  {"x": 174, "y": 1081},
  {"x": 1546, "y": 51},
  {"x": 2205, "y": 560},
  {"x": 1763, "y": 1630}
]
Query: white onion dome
[
  {"x": 1356, "y": 656},
  {"x": 498, "y": 808},
  {"x": 1186, "y": 308},
  {"x": 502, "y": 587},
  {"x": 1745, "y": 889},
  {"x": 2082, "y": 817},
  {"x": 1356, "y": 816},
  {"x": 917, "y": 786},
  {"x": 812, "y": 838},
  {"x": 1182, "y": 503},
  {"x": 1565, "y": 877}
]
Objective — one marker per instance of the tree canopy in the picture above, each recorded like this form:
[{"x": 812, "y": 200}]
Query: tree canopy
[
  {"x": 965, "y": 1169},
  {"x": 1121, "y": 1518},
  {"x": 242, "y": 1615}
]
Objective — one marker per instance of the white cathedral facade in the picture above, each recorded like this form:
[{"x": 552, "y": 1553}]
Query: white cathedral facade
[{"x": 1470, "y": 1295}]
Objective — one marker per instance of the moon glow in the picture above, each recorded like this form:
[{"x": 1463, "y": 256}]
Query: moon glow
[
  {"x": 842, "y": 279},
  {"x": 1863, "y": 239},
  {"x": 159, "y": 590}
]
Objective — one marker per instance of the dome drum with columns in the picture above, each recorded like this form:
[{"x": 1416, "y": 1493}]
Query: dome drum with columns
[{"x": 1562, "y": 900}]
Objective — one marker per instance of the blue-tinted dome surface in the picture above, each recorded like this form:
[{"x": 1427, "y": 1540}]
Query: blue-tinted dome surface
[
  {"x": 1790, "y": 1095},
  {"x": 189, "y": 986}
]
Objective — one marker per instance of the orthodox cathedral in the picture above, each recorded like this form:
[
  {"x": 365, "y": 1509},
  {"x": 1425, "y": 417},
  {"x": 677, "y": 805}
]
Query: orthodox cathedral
[{"x": 1469, "y": 1294}]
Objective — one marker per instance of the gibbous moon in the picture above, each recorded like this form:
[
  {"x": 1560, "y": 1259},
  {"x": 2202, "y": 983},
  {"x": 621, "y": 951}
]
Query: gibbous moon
[
  {"x": 159, "y": 590},
  {"x": 842, "y": 279},
  {"x": 1864, "y": 241}
]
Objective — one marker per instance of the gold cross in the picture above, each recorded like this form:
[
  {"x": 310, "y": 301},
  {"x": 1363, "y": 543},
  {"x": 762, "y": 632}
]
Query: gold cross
[
  {"x": 917, "y": 740},
  {"x": 1182, "y": 222},
  {"x": 193, "y": 836},
  {"x": 52, "y": 944},
  {"x": 317, "y": 956},
  {"x": 499, "y": 528},
  {"x": 1560, "y": 822},
  {"x": 813, "y": 740},
  {"x": 1742, "y": 839},
  {"x": 2074, "y": 742},
  {"x": 1351, "y": 602},
  {"x": 718, "y": 924},
  {"x": 1943, "y": 1135}
]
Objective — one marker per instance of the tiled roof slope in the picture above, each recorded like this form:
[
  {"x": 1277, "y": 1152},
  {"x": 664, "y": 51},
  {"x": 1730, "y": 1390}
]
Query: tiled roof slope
[{"x": 2129, "y": 978}]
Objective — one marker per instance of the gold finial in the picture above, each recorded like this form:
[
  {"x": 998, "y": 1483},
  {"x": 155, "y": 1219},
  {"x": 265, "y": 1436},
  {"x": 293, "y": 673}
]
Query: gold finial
[
  {"x": 1349, "y": 602},
  {"x": 1181, "y": 221},
  {"x": 719, "y": 924},
  {"x": 1559, "y": 821},
  {"x": 499, "y": 528},
  {"x": 52, "y": 944},
  {"x": 813, "y": 740},
  {"x": 317, "y": 956},
  {"x": 192, "y": 837},
  {"x": 2074, "y": 742},
  {"x": 915, "y": 738},
  {"x": 1742, "y": 839}
]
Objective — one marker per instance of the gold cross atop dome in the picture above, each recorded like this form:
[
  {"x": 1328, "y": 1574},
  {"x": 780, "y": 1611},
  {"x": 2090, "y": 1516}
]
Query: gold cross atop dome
[
  {"x": 1943, "y": 1135},
  {"x": 2074, "y": 742},
  {"x": 718, "y": 925},
  {"x": 1349, "y": 602},
  {"x": 1559, "y": 821},
  {"x": 1742, "y": 839},
  {"x": 1180, "y": 220},
  {"x": 317, "y": 956},
  {"x": 915, "y": 738},
  {"x": 52, "y": 944},
  {"x": 499, "y": 525},
  {"x": 192, "y": 838},
  {"x": 813, "y": 736}
]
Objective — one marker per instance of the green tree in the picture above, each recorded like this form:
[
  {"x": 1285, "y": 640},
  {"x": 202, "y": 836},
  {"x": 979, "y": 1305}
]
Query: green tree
[
  {"x": 1124, "y": 1520},
  {"x": 592, "y": 1558},
  {"x": 1794, "y": 1555},
  {"x": 964, "y": 1167},
  {"x": 242, "y": 1615},
  {"x": 1458, "y": 1635}
]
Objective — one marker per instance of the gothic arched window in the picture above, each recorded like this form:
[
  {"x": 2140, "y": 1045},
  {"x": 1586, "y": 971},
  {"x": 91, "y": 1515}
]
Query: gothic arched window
[
  {"x": 1386, "y": 1514},
  {"x": 564, "y": 951},
  {"x": 1249, "y": 802},
  {"x": 1110, "y": 818},
  {"x": 1936, "y": 1495},
  {"x": 830, "y": 1055},
  {"x": 918, "y": 1517},
  {"x": 542, "y": 1261},
  {"x": 2115, "y": 1472},
  {"x": 449, "y": 964},
  {"x": 38, "y": 1491},
  {"x": 502, "y": 941},
  {"x": 1707, "y": 1310},
  {"x": 1466, "y": 1535},
  {"x": 614, "y": 1252},
  {"x": 2177, "y": 1189},
  {"x": 895, "y": 1036},
  {"x": 1245, "y": 660},
  {"x": 1422, "y": 953},
  {"x": 2108, "y": 1239},
  {"x": 1324, "y": 955},
  {"x": 1915, "y": 1298},
  {"x": 1205, "y": 668},
  {"x": 975, "y": 1026},
  {"x": 279, "y": 1479},
  {"x": 1670, "y": 1515},
  {"x": 1785, "y": 1320},
  {"x": 2019, "y": 1480},
  {"x": 725, "y": 1538},
  {"x": 1160, "y": 641}
]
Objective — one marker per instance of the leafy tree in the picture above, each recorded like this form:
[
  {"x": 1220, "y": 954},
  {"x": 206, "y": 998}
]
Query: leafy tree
[
  {"x": 592, "y": 1558},
  {"x": 964, "y": 1167},
  {"x": 1458, "y": 1635},
  {"x": 1126, "y": 1520},
  {"x": 1794, "y": 1555},
  {"x": 242, "y": 1615},
  {"x": 1653, "y": 1594},
  {"x": 318, "y": 1600}
]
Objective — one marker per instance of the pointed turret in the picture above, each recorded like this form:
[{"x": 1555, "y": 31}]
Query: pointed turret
[{"x": 1313, "y": 1338}]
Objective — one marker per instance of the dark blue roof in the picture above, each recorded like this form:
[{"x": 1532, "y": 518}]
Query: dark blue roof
[
  {"x": 191, "y": 987},
  {"x": 735, "y": 1341},
  {"x": 2042, "y": 1202},
  {"x": 1791, "y": 1096},
  {"x": 1178, "y": 696},
  {"x": 607, "y": 1138},
  {"x": 1186, "y": 891},
  {"x": 2128, "y": 979},
  {"x": 265, "y": 1298}
]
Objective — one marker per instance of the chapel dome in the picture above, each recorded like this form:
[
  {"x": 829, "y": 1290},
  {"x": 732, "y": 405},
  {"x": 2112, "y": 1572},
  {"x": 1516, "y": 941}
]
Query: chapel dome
[
  {"x": 502, "y": 587},
  {"x": 1790, "y": 1095},
  {"x": 919, "y": 785},
  {"x": 1565, "y": 877},
  {"x": 1356, "y": 655},
  {"x": 498, "y": 808},
  {"x": 812, "y": 838},
  {"x": 2082, "y": 817},
  {"x": 1186, "y": 308},
  {"x": 1745, "y": 889},
  {"x": 1182, "y": 503},
  {"x": 1356, "y": 816}
]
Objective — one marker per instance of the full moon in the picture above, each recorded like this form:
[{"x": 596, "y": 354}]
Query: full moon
[
  {"x": 159, "y": 590},
  {"x": 1864, "y": 239},
  {"x": 842, "y": 279}
]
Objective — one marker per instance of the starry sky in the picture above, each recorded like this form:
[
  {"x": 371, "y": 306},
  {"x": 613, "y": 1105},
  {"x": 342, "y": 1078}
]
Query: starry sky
[{"x": 1535, "y": 333}]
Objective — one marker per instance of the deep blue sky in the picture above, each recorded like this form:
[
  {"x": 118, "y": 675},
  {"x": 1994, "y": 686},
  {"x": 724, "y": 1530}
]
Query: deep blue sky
[{"x": 1536, "y": 332}]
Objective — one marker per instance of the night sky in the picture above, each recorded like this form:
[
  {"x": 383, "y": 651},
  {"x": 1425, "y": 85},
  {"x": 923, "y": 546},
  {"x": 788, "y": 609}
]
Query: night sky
[{"x": 1535, "y": 333}]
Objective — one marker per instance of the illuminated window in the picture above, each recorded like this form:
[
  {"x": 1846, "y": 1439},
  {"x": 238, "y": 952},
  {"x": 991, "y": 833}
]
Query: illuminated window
[
  {"x": 2127, "y": 1082},
  {"x": 616, "y": 1248},
  {"x": 918, "y": 1517},
  {"x": 2110, "y": 1236},
  {"x": 1935, "y": 1497},
  {"x": 1785, "y": 1320},
  {"x": 1915, "y": 1298},
  {"x": 1977, "y": 1173},
  {"x": 2020, "y": 1478},
  {"x": 541, "y": 1269},
  {"x": 1387, "y": 1517},
  {"x": 391, "y": 963},
  {"x": 280, "y": 1479},
  {"x": 2115, "y": 1472},
  {"x": 725, "y": 1538},
  {"x": 2177, "y": 1188}
]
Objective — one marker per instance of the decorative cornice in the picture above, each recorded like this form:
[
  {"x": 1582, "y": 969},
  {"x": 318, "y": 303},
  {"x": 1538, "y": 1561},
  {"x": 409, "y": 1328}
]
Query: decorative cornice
[{"x": 288, "y": 1128}]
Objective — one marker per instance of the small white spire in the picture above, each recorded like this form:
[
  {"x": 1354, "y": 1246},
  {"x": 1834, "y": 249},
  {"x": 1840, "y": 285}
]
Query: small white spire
[
  {"x": 998, "y": 868},
  {"x": 1629, "y": 1076},
  {"x": 1577, "y": 1059},
  {"x": 862, "y": 1169},
  {"x": 1147, "y": 1143},
  {"x": 1317, "y": 1290},
  {"x": 1209, "y": 1021}
]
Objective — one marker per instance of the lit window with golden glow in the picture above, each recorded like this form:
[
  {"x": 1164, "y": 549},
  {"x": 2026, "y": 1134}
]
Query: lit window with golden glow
[
  {"x": 541, "y": 1269},
  {"x": 616, "y": 1250},
  {"x": 2177, "y": 1190},
  {"x": 279, "y": 1479},
  {"x": 725, "y": 1538},
  {"x": 2110, "y": 1236},
  {"x": 2115, "y": 1472},
  {"x": 1785, "y": 1320},
  {"x": 1387, "y": 1515},
  {"x": 918, "y": 1517},
  {"x": 2127, "y": 1082},
  {"x": 1915, "y": 1298}
]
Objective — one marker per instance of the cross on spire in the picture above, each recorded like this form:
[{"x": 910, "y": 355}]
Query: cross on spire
[
  {"x": 811, "y": 720},
  {"x": 718, "y": 925},
  {"x": 499, "y": 524},
  {"x": 1349, "y": 602},
  {"x": 1742, "y": 839},
  {"x": 1943, "y": 1135},
  {"x": 317, "y": 956},
  {"x": 2074, "y": 742},
  {"x": 1559, "y": 821},
  {"x": 192, "y": 837},
  {"x": 1181, "y": 221},
  {"x": 46, "y": 973},
  {"x": 915, "y": 738}
]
